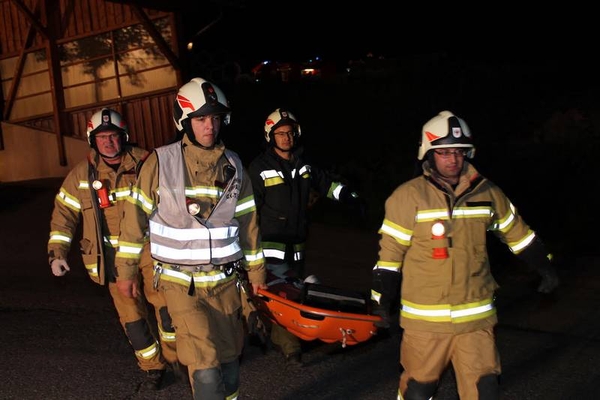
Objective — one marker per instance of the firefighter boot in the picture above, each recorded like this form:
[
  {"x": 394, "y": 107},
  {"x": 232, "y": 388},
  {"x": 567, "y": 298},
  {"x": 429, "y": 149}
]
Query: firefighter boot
[
  {"x": 207, "y": 384},
  {"x": 231, "y": 378},
  {"x": 153, "y": 380}
]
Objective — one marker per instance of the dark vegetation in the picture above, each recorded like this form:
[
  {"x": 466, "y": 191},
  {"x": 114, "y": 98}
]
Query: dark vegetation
[{"x": 535, "y": 125}]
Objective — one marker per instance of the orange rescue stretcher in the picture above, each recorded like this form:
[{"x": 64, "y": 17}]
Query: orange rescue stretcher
[{"x": 314, "y": 311}]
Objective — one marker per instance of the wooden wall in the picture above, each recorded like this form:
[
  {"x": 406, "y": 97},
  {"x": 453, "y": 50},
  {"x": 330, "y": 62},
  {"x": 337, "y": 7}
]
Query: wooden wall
[{"x": 149, "y": 114}]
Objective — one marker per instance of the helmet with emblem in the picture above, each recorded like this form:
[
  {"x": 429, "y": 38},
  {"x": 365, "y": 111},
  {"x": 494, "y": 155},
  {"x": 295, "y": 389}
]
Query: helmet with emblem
[
  {"x": 197, "y": 98},
  {"x": 443, "y": 131},
  {"x": 106, "y": 120},
  {"x": 278, "y": 118}
]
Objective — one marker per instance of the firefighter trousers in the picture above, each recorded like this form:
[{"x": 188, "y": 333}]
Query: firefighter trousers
[
  {"x": 474, "y": 357},
  {"x": 209, "y": 332},
  {"x": 133, "y": 316},
  {"x": 164, "y": 325},
  {"x": 286, "y": 341}
]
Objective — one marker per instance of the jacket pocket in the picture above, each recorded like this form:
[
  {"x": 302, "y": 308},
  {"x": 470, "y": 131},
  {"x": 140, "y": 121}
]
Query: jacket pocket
[
  {"x": 86, "y": 247},
  {"x": 226, "y": 300}
]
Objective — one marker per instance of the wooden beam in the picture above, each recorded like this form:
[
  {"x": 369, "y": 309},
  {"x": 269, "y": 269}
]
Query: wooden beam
[
  {"x": 20, "y": 65},
  {"x": 56, "y": 83},
  {"x": 31, "y": 17},
  {"x": 156, "y": 36}
]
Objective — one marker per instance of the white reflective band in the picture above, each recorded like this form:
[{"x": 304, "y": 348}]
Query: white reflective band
[
  {"x": 274, "y": 253},
  {"x": 393, "y": 269},
  {"x": 245, "y": 205},
  {"x": 471, "y": 311},
  {"x": 92, "y": 269},
  {"x": 69, "y": 200},
  {"x": 298, "y": 256},
  {"x": 506, "y": 223},
  {"x": 431, "y": 215},
  {"x": 254, "y": 257},
  {"x": 141, "y": 200},
  {"x": 194, "y": 254},
  {"x": 271, "y": 173},
  {"x": 426, "y": 313},
  {"x": 523, "y": 243},
  {"x": 197, "y": 278},
  {"x": 305, "y": 169},
  {"x": 205, "y": 191},
  {"x": 60, "y": 238},
  {"x": 471, "y": 212},
  {"x": 210, "y": 278},
  {"x": 375, "y": 296},
  {"x": 193, "y": 234},
  {"x": 395, "y": 233},
  {"x": 122, "y": 193},
  {"x": 336, "y": 192},
  {"x": 130, "y": 250},
  {"x": 84, "y": 185},
  {"x": 447, "y": 312},
  {"x": 167, "y": 336},
  {"x": 149, "y": 352}
]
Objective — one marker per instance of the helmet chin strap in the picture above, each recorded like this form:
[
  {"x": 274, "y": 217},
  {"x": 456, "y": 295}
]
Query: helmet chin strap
[{"x": 429, "y": 157}]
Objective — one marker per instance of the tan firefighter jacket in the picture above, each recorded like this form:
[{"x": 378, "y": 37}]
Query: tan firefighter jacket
[
  {"x": 453, "y": 294},
  {"x": 205, "y": 181},
  {"x": 75, "y": 198}
]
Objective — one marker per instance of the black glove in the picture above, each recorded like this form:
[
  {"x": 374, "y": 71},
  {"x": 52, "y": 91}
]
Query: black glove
[
  {"x": 348, "y": 196},
  {"x": 538, "y": 258},
  {"x": 384, "y": 312},
  {"x": 550, "y": 280},
  {"x": 354, "y": 201}
]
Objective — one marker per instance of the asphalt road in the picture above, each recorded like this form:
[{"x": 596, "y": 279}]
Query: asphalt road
[{"x": 60, "y": 337}]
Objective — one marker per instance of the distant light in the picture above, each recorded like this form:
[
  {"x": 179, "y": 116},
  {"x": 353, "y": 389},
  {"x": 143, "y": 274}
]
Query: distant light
[{"x": 190, "y": 46}]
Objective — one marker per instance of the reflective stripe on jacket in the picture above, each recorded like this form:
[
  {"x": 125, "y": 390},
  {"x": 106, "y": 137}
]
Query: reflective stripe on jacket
[
  {"x": 282, "y": 191},
  {"x": 74, "y": 199},
  {"x": 452, "y": 294},
  {"x": 176, "y": 236},
  {"x": 204, "y": 176}
]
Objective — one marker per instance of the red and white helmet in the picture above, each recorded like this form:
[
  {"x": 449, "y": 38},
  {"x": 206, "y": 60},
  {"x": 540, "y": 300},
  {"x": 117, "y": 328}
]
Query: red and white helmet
[
  {"x": 199, "y": 97},
  {"x": 281, "y": 117},
  {"x": 106, "y": 120},
  {"x": 445, "y": 130}
]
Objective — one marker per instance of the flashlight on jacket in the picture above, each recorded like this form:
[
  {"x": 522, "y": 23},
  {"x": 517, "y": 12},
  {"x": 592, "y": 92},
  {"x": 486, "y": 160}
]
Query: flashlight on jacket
[
  {"x": 102, "y": 192},
  {"x": 440, "y": 249},
  {"x": 192, "y": 206}
]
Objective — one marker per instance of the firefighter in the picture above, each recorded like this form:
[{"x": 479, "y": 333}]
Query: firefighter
[
  {"x": 195, "y": 200},
  {"x": 434, "y": 234},
  {"x": 97, "y": 189},
  {"x": 282, "y": 182}
]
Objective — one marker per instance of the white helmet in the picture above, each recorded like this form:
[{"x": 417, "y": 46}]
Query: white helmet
[
  {"x": 281, "y": 117},
  {"x": 445, "y": 130},
  {"x": 199, "y": 97},
  {"x": 106, "y": 120}
]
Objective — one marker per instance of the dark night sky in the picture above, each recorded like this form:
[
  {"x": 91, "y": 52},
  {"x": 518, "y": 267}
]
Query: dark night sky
[{"x": 302, "y": 29}]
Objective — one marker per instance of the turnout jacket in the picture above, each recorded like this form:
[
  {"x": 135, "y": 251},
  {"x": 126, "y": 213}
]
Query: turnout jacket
[
  {"x": 206, "y": 176},
  {"x": 74, "y": 199},
  {"x": 453, "y": 294},
  {"x": 282, "y": 194}
]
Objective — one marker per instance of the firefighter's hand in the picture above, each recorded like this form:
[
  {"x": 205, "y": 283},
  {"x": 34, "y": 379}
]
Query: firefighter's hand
[
  {"x": 128, "y": 288},
  {"x": 550, "y": 281},
  {"x": 256, "y": 286},
  {"x": 59, "y": 267},
  {"x": 384, "y": 313}
]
